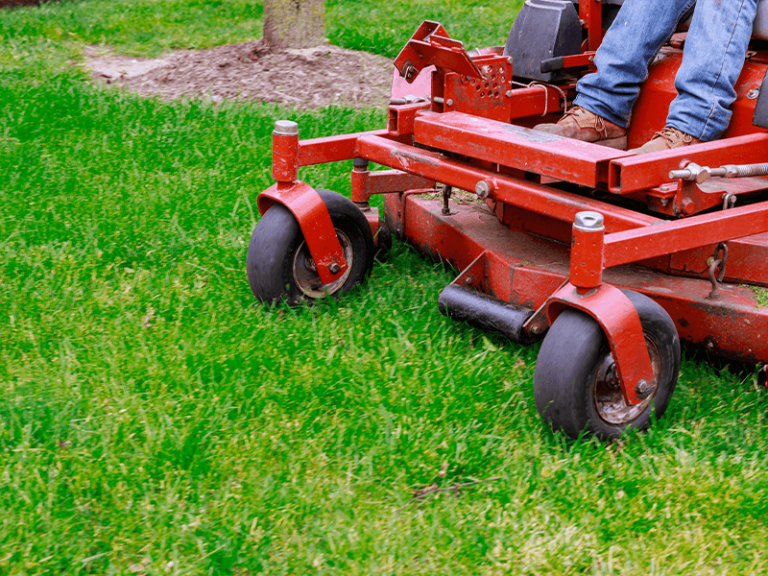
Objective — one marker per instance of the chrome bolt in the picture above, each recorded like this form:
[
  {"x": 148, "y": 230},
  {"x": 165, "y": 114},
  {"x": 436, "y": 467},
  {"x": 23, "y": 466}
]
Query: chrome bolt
[
  {"x": 753, "y": 94},
  {"x": 449, "y": 102},
  {"x": 643, "y": 389},
  {"x": 482, "y": 189},
  {"x": 509, "y": 93},
  {"x": 286, "y": 128},
  {"x": 589, "y": 220},
  {"x": 334, "y": 268}
]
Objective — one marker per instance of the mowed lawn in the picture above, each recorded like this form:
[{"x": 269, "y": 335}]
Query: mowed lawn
[{"x": 154, "y": 419}]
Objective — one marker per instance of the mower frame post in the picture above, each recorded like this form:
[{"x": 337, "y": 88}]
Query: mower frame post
[{"x": 304, "y": 202}]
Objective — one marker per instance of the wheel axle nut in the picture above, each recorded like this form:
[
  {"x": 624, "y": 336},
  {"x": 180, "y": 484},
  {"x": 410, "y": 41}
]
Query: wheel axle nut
[
  {"x": 643, "y": 389},
  {"x": 483, "y": 188},
  {"x": 334, "y": 268}
]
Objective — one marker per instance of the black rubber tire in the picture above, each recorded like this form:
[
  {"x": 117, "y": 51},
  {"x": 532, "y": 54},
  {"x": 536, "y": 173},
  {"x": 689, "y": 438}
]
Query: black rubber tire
[
  {"x": 576, "y": 349},
  {"x": 277, "y": 238}
]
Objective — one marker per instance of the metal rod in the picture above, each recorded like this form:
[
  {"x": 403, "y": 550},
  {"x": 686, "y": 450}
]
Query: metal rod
[{"x": 694, "y": 172}]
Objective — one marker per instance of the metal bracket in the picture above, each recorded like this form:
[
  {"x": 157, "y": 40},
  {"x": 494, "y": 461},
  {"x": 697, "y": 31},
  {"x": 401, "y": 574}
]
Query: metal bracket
[
  {"x": 616, "y": 315},
  {"x": 716, "y": 262},
  {"x": 315, "y": 222}
]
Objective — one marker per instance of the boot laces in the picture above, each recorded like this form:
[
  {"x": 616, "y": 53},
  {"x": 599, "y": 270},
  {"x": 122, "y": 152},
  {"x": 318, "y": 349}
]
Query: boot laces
[
  {"x": 578, "y": 112},
  {"x": 673, "y": 135}
]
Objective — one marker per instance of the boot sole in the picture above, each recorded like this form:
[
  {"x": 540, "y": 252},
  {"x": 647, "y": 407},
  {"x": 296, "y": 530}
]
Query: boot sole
[{"x": 617, "y": 143}]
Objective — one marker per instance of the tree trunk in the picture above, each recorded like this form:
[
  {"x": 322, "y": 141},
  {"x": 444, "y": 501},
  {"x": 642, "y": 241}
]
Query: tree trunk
[{"x": 294, "y": 23}]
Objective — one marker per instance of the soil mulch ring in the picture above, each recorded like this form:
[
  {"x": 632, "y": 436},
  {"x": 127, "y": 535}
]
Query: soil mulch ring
[
  {"x": 308, "y": 78},
  {"x": 15, "y": 3}
]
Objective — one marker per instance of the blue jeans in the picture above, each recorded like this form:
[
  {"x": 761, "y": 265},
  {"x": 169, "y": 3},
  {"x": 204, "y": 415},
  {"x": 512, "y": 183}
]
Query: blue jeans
[{"x": 712, "y": 61}]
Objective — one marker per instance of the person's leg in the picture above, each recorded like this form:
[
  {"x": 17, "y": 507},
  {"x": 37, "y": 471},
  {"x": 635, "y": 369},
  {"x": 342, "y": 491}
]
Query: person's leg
[
  {"x": 634, "y": 38},
  {"x": 712, "y": 61}
]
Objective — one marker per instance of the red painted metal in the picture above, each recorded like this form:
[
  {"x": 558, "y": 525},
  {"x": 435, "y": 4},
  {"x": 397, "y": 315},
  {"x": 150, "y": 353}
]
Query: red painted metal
[
  {"x": 366, "y": 183},
  {"x": 590, "y": 12},
  {"x": 649, "y": 114},
  {"x": 618, "y": 318},
  {"x": 430, "y": 45},
  {"x": 506, "y": 188},
  {"x": 471, "y": 130},
  {"x": 402, "y": 117},
  {"x": 683, "y": 198},
  {"x": 516, "y": 147},
  {"x": 587, "y": 255},
  {"x": 309, "y": 209},
  {"x": 331, "y": 149},
  {"x": 525, "y": 270},
  {"x": 670, "y": 237},
  {"x": 632, "y": 173},
  {"x": 285, "y": 157}
]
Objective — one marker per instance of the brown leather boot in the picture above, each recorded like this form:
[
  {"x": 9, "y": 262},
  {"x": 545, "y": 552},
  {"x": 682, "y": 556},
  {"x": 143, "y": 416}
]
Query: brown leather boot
[
  {"x": 667, "y": 139},
  {"x": 581, "y": 124}
]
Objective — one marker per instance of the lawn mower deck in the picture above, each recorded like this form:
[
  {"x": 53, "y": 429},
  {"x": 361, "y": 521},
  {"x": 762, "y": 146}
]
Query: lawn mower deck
[{"x": 611, "y": 257}]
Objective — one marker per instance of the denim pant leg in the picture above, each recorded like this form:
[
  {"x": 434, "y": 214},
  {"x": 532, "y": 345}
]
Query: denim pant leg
[
  {"x": 712, "y": 61},
  {"x": 634, "y": 38}
]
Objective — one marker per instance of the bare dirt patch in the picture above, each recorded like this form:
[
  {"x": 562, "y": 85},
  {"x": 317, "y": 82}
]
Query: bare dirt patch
[
  {"x": 308, "y": 78},
  {"x": 14, "y": 3}
]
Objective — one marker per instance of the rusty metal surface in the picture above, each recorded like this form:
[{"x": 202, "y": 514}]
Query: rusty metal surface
[{"x": 524, "y": 270}]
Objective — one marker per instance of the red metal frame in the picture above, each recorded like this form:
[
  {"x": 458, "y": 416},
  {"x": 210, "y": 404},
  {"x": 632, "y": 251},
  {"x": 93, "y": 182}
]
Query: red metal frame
[{"x": 472, "y": 132}]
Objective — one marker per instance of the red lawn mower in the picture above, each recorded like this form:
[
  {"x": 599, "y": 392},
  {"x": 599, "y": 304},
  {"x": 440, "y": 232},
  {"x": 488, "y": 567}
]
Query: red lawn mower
[{"x": 611, "y": 258}]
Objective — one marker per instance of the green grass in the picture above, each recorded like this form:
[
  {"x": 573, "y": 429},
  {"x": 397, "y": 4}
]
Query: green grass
[
  {"x": 154, "y": 419},
  {"x": 761, "y": 295}
]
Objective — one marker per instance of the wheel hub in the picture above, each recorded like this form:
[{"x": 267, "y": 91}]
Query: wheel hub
[
  {"x": 608, "y": 398},
  {"x": 305, "y": 271}
]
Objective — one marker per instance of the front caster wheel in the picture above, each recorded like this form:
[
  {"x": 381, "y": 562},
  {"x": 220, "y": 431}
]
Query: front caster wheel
[
  {"x": 280, "y": 266},
  {"x": 575, "y": 382}
]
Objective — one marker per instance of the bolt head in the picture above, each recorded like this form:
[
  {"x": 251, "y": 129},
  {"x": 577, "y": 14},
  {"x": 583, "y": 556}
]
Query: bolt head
[
  {"x": 334, "y": 268},
  {"x": 643, "y": 389},
  {"x": 286, "y": 128},
  {"x": 449, "y": 102},
  {"x": 589, "y": 220},
  {"x": 483, "y": 188}
]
